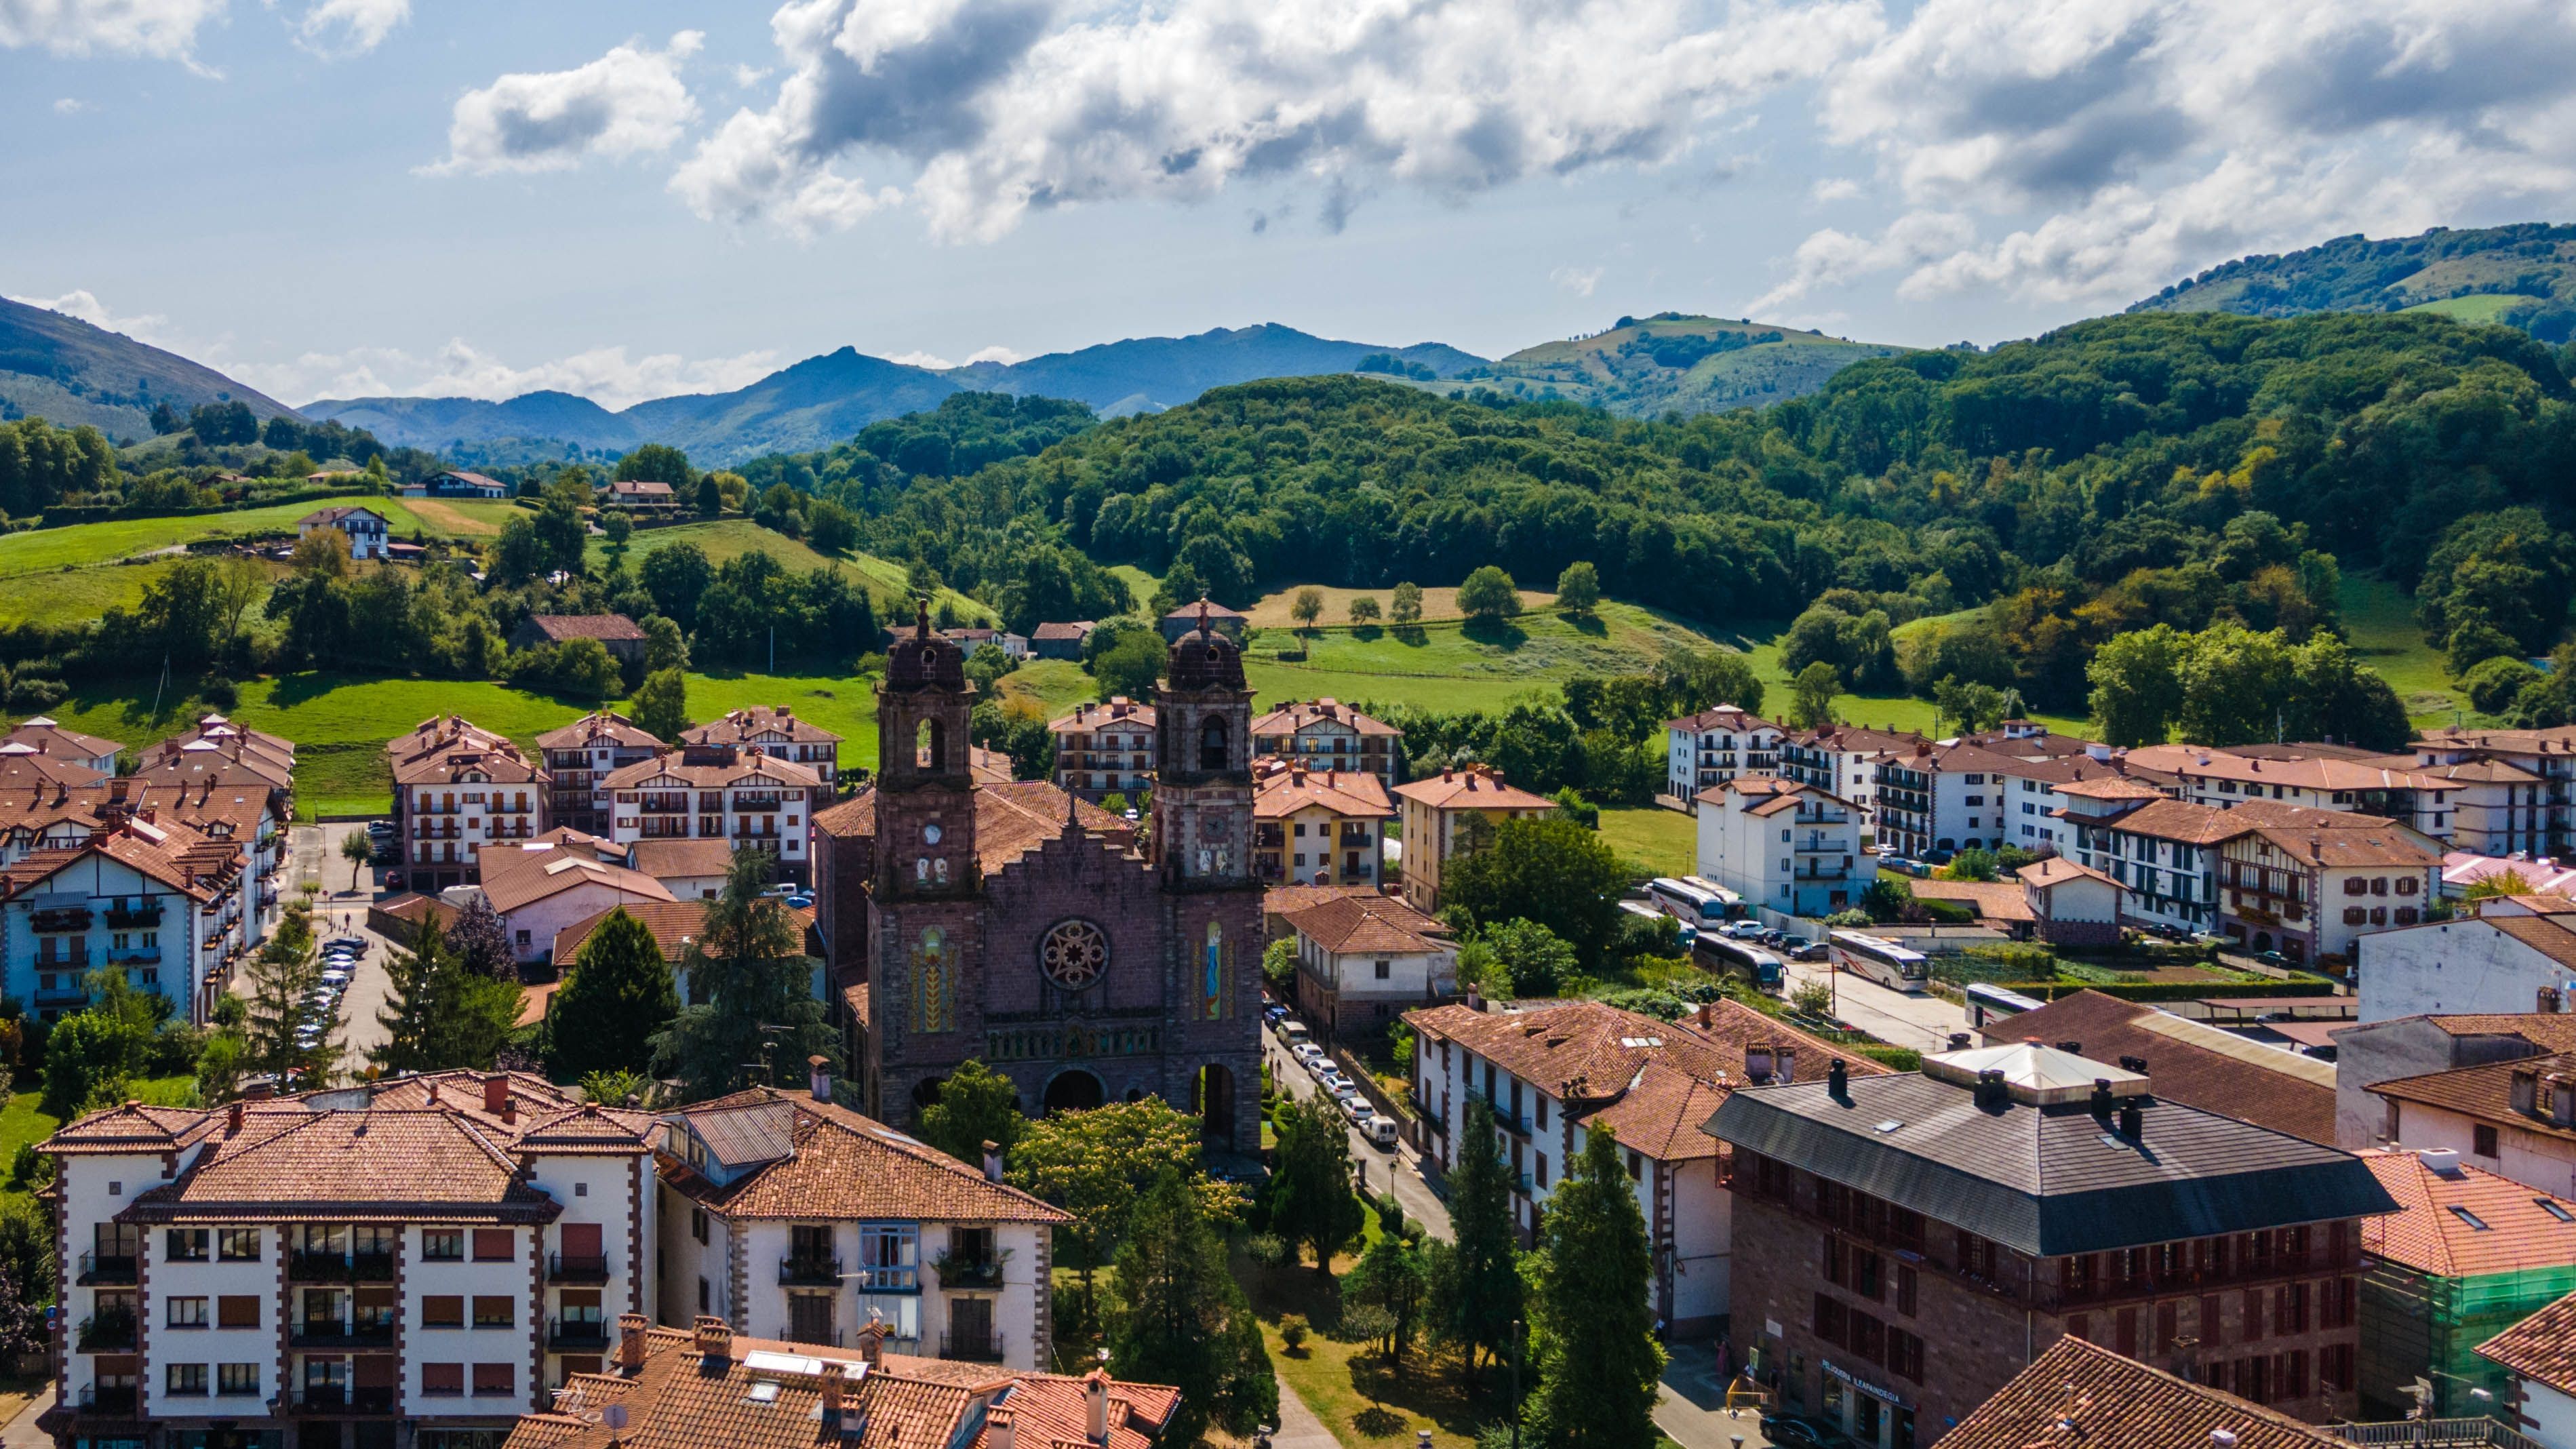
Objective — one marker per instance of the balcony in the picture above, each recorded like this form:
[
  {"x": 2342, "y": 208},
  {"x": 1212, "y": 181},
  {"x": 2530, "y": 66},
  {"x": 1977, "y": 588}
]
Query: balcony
[
  {"x": 762, "y": 805},
  {"x": 1822, "y": 845},
  {"x": 577, "y": 1335},
  {"x": 971, "y": 1347},
  {"x": 331, "y": 1333},
  {"x": 339, "y": 1399},
  {"x": 578, "y": 1268},
  {"x": 108, "y": 1399},
  {"x": 307, "y": 1265},
  {"x": 1515, "y": 1123},
  {"x": 888, "y": 1280},
  {"x": 106, "y": 1268},
  {"x": 968, "y": 1272},
  {"x": 122, "y": 920},
  {"x": 61, "y": 918},
  {"x": 133, "y": 955},
  {"x": 106, "y": 1333},
  {"x": 810, "y": 1270}
]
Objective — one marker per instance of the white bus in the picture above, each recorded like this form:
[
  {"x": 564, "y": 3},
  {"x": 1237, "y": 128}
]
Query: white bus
[
  {"x": 1881, "y": 960},
  {"x": 1694, "y": 902},
  {"x": 1989, "y": 1003}
]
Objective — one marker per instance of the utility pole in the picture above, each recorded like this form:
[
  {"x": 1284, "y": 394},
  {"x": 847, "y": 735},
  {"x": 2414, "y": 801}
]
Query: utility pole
[{"x": 1516, "y": 1384}]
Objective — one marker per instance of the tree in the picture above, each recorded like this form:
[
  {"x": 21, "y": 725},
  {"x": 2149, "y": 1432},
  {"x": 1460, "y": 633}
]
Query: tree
[
  {"x": 617, "y": 995},
  {"x": 710, "y": 497},
  {"x": 755, "y": 1001},
  {"x": 1404, "y": 606},
  {"x": 1698, "y": 679},
  {"x": 1812, "y": 695},
  {"x": 661, "y": 705},
  {"x": 1364, "y": 610},
  {"x": 1096, "y": 1164},
  {"x": 1578, "y": 588},
  {"x": 241, "y": 582},
  {"x": 976, "y": 1105},
  {"x": 1534, "y": 960},
  {"x": 2137, "y": 686},
  {"x": 619, "y": 525},
  {"x": 89, "y": 1056},
  {"x": 562, "y": 533},
  {"x": 1554, "y": 872},
  {"x": 1598, "y": 1362},
  {"x": 1279, "y": 967},
  {"x": 440, "y": 1013},
  {"x": 2502, "y": 883},
  {"x": 1488, "y": 593},
  {"x": 657, "y": 463},
  {"x": 1307, "y": 607},
  {"x": 1971, "y": 708},
  {"x": 829, "y": 527},
  {"x": 1182, "y": 1319},
  {"x": 677, "y": 575},
  {"x": 280, "y": 978},
  {"x": 1311, "y": 1201},
  {"x": 519, "y": 556},
  {"x": 1476, "y": 1287},
  {"x": 1130, "y": 665},
  {"x": 1390, "y": 1276},
  {"x": 357, "y": 851},
  {"x": 665, "y": 647}
]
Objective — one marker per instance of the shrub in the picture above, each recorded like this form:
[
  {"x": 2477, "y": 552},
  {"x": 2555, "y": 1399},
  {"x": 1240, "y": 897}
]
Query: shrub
[
  {"x": 1815, "y": 998},
  {"x": 1292, "y": 1330},
  {"x": 1267, "y": 1250}
]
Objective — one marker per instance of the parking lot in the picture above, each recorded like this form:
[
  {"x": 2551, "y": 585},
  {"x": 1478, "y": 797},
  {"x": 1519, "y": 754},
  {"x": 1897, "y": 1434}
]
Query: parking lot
[
  {"x": 1382, "y": 1167},
  {"x": 340, "y": 911}
]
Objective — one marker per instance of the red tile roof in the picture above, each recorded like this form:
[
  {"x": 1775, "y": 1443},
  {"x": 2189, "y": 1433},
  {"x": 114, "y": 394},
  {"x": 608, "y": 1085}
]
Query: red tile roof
[
  {"x": 2078, "y": 1396},
  {"x": 1284, "y": 789},
  {"x": 1473, "y": 787},
  {"x": 2541, "y": 1348},
  {"x": 673, "y": 924},
  {"x": 2189, "y": 1062},
  {"x": 1292, "y": 717},
  {"x": 596, "y": 726},
  {"x": 2427, "y": 1233},
  {"x": 844, "y": 1165},
  {"x": 1368, "y": 924},
  {"x": 2484, "y": 1091},
  {"x": 749, "y": 726}
]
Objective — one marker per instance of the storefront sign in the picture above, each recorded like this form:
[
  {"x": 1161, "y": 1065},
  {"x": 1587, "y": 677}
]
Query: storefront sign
[{"x": 1864, "y": 1385}]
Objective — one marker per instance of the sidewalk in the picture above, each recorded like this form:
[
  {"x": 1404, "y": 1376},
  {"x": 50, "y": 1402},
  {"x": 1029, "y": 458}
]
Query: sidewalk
[
  {"x": 1692, "y": 1408},
  {"x": 1298, "y": 1426},
  {"x": 22, "y": 1433}
]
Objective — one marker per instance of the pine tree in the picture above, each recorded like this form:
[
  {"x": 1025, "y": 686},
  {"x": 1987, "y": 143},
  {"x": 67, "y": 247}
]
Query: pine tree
[
  {"x": 481, "y": 939},
  {"x": 440, "y": 1013},
  {"x": 1598, "y": 1360},
  {"x": 1311, "y": 1201},
  {"x": 280, "y": 978},
  {"x": 1477, "y": 1289},
  {"x": 1390, "y": 1275},
  {"x": 749, "y": 971},
  {"x": 617, "y": 996},
  {"x": 976, "y": 1105},
  {"x": 1182, "y": 1319}
]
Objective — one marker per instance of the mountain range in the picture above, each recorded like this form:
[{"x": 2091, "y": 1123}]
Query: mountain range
[
  {"x": 2522, "y": 276},
  {"x": 70, "y": 373}
]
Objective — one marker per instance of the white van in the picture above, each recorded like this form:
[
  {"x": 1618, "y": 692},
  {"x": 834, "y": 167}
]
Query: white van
[
  {"x": 1380, "y": 1131},
  {"x": 1293, "y": 1032}
]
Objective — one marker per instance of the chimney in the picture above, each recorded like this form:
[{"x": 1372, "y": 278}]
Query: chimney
[
  {"x": 999, "y": 1431},
  {"x": 2133, "y": 1120},
  {"x": 1095, "y": 1406},
  {"x": 2134, "y": 1064},
  {"x": 2071, "y": 1048},
  {"x": 714, "y": 1336},
  {"x": 1837, "y": 1079},
  {"x": 2102, "y": 1100},
  {"x": 2549, "y": 1001},
  {"x": 1757, "y": 1063},
  {"x": 496, "y": 1093},
  {"x": 835, "y": 1379},
  {"x": 2526, "y": 1091},
  {"x": 630, "y": 1342},
  {"x": 1785, "y": 1066},
  {"x": 2440, "y": 1161},
  {"x": 1960, "y": 1041},
  {"x": 1706, "y": 1016},
  {"x": 992, "y": 1160},
  {"x": 1991, "y": 1092},
  {"x": 2562, "y": 1100},
  {"x": 872, "y": 1340},
  {"x": 818, "y": 1070},
  {"x": 232, "y": 1118},
  {"x": 259, "y": 1092}
]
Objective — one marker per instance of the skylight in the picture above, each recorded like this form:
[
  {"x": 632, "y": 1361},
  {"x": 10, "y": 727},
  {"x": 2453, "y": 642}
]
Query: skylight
[
  {"x": 2472, "y": 1219},
  {"x": 2550, "y": 1205},
  {"x": 1641, "y": 1041},
  {"x": 764, "y": 1392},
  {"x": 1890, "y": 1125}
]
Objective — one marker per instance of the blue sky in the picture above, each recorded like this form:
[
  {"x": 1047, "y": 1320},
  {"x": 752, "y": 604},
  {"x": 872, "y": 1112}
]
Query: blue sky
[{"x": 328, "y": 197}]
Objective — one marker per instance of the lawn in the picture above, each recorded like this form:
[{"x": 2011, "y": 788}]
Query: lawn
[
  {"x": 2479, "y": 307},
  {"x": 78, "y": 595},
  {"x": 2380, "y": 619},
  {"x": 40, "y": 550},
  {"x": 1457, "y": 664},
  {"x": 1875, "y": 711},
  {"x": 1437, "y": 604},
  {"x": 1360, "y": 1398},
  {"x": 1653, "y": 841},
  {"x": 725, "y": 539}
]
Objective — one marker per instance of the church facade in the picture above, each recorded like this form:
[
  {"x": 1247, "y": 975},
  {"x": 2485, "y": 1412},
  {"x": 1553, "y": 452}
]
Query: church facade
[{"x": 1014, "y": 924}]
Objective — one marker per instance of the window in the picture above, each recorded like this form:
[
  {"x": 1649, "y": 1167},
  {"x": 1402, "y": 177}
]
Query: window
[
  {"x": 494, "y": 1245},
  {"x": 1385, "y": 969},
  {"x": 1905, "y": 1289},
  {"x": 1541, "y": 1178},
  {"x": 237, "y": 1310},
  {"x": 2483, "y": 1143},
  {"x": 491, "y": 1379},
  {"x": 187, "y": 1312},
  {"x": 2475, "y": 1222},
  {"x": 492, "y": 1310},
  {"x": 442, "y": 1310},
  {"x": 1830, "y": 1322},
  {"x": 237, "y": 1379},
  {"x": 442, "y": 1380},
  {"x": 702, "y": 1296},
  {"x": 442, "y": 1245},
  {"x": 186, "y": 1245},
  {"x": 698, "y": 1226},
  {"x": 2555, "y": 1209},
  {"x": 237, "y": 1245},
  {"x": 1904, "y": 1355},
  {"x": 185, "y": 1379}
]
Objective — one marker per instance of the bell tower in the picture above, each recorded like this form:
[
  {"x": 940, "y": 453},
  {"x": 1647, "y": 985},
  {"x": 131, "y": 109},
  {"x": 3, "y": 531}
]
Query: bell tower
[
  {"x": 925, "y": 785},
  {"x": 1203, "y": 764}
]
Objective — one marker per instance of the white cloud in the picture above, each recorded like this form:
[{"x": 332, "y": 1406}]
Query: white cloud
[
  {"x": 349, "y": 27},
  {"x": 2098, "y": 149},
  {"x": 85, "y": 305},
  {"x": 998, "y": 107},
  {"x": 166, "y": 29},
  {"x": 69, "y": 106},
  {"x": 629, "y": 101},
  {"x": 606, "y": 375},
  {"x": 1839, "y": 188},
  {"x": 996, "y": 353},
  {"x": 1578, "y": 280},
  {"x": 929, "y": 360}
]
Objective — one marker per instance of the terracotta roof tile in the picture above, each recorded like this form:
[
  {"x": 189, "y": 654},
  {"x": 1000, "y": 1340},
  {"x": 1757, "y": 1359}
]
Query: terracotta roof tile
[
  {"x": 673, "y": 924},
  {"x": 1369, "y": 923},
  {"x": 607, "y": 627},
  {"x": 1995, "y": 900},
  {"x": 596, "y": 727},
  {"x": 847, "y": 1166},
  {"x": 748, "y": 726},
  {"x": 682, "y": 859},
  {"x": 854, "y": 817},
  {"x": 426, "y": 1164},
  {"x": 2512, "y": 1230},
  {"x": 1474, "y": 787},
  {"x": 1284, "y": 789},
  {"x": 2541, "y": 1348},
  {"x": 2189, "y": 1062},
  {"x": 2484, "y": 1092},
  {"x": 1720, "y": 717},
  {"x": 747, "y": 770},
  {"x": 1292, "y": 717},
  {"x": 515, "y": 876},
  {"x": 2078, "y": 1396},
  {"x": 52, "y": 738},
  {"x": 1117, "y": 712}
]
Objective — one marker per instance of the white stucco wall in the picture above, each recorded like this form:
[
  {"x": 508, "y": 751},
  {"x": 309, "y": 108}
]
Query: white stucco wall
[
  {"x": 2461, "y": 966},
  {"x": 2548, "y": 1416}
]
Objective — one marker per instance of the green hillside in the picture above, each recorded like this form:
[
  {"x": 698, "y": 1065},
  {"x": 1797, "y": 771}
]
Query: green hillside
[
  {"x": 1671, "y": 362},
  {"x": 2523, "y": 276},
  {"x": 71, "y": 373}
]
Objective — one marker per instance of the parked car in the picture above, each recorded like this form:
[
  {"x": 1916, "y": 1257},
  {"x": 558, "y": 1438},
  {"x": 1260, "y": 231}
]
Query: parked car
[
  {"x": 1380, "y": 1131},
  {"x": 2273, "y": 959},
  {"x": 1788, "y": 1431}
]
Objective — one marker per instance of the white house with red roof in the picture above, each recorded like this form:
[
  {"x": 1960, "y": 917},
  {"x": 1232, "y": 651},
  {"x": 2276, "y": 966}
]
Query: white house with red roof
[
  {"x": 1784, "y": 845},
  {"x": 165, "y": 903}
]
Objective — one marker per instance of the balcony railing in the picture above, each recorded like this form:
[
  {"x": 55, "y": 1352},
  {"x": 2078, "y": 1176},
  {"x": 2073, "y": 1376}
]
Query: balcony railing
[
  {"x": 310, "y": 1265},
  {"x": 340, "y": 1399},
  {"x": 969, "y": 1273},
  {"x": 61, "y": 918},
  {"x": 328, "y": 1333},
  {"x": 810, "y": 1270},
  {"x": 577, "y": 1268},
  {"x": 888, "y": 1280},
  {"x": 119, "y": 920},
  {"x": 116, "y": 1399},
  {"x": 106, "y": 1268},
  {"x": 577, "y": 1335},
  {"x": 970, "y": 1346},
  {"x": 106, "y": 1333}
]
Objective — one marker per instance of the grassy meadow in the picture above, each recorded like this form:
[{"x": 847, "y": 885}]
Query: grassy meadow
[{"x": 2380, "y": 619}]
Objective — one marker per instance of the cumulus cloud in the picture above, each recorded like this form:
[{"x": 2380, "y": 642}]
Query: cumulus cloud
[
  {"x": 2101, "y": 148},
  {"x": 931, "y": 360},
  {"x": 349, "y": 27},
  {"x": 986, "y": 110},
  {"x": 629, "y": 101},
  {"x": 1578, "y": 280},
  {"x": 69, "y": 106},
  {"x": 606, "y": 375},
  {"x": 996, "y": 353},
  {"x": 85, "y": 305},
  {"x": 166, "y": 29}
]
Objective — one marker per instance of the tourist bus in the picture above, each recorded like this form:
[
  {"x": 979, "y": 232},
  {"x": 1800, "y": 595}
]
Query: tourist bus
[
  {"x": 1695, "y": 902},
  {"x": 1881, "y": 960},
  {"x": 1724, "y": 953},
  {"x": 1989, "y": 1003}
]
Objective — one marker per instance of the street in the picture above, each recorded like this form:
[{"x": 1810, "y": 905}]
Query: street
[
  {"x": 1923, "y": 1022},
  {"x": 1379, "y": 1167},
  {"x": 340, "y": 911}
]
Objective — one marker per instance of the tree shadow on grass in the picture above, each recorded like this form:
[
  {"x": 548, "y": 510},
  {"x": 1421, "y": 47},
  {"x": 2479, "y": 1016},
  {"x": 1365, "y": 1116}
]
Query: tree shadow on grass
[
  {"x": 1411, "y": 636},
  {"x": 1495, "y": 633},
  {"x": 1589, "y": 625}
]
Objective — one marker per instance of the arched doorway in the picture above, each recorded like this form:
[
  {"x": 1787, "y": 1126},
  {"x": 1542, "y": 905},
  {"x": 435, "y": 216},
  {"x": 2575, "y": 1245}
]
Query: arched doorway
[
  {"x": 925, "y": 1093},
  {"x": 1074, "y": 1091},
  {"x": 1212, "y": 1098},
  {"x": 2262, "y": 940}
]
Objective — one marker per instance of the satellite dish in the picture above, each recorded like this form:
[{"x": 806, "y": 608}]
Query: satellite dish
[{"x": 614, "y": 1416}]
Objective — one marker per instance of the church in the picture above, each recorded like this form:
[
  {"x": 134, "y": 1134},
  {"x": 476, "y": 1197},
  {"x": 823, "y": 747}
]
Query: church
[{"x": 1016, "y": 924}]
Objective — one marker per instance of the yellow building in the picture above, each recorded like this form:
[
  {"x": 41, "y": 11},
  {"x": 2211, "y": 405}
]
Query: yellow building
[
  {"x": 1318, "y": 827},
  {"x": 1435, "y": 811}
]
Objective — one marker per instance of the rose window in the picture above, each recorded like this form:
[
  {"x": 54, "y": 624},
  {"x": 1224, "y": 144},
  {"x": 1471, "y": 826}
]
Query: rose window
[{"x": 1074, "y": 954}]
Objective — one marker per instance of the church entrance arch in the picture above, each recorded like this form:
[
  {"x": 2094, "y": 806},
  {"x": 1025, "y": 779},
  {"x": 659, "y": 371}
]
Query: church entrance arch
[
  {"x": 1212, "y": 1098},
  {"x": 1074, "y": 1091},
  {"x": 925, "y": 1093}
]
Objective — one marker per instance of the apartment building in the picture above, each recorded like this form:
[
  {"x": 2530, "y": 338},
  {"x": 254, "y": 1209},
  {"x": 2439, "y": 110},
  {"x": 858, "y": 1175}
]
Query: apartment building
[
  {"x": 542, "y": 886},
  {"x": 457, "y": 788},
  {"x": 748, "y": 799},
  {"x": 799, "y": 1219},
  {"x": 41, "y": 735},
  {"x": 1843, "y": 760},
  {"x": 1978, "y": 792},
  {"x": 1451, "y": 814},
  {"x": 580, "y": 757},
  {"x": 2540, "y": 821},
  {"x": 2383, "y": 1050},
  {"x": 2467, "y": 1255},
  {"x": 1317, "y": 827},
  {"x": 2324, "y": 777},
  {"x": 1104, "y": 748},
  {"x": 1327, "y": 734},
  {"x": 1363, "y": 960},
  {"x": 1784, "y": 846},
  {"x": 2513, "y": 1118},
  {"x": 1714, "y": 746},
  {"x": 1906, "y": 1244},
  {"x": 2079, "y": 1393},
  {"x": 414, "y": 1262},
  {"x": 1550, "y": 1074},
  {"x": 166, "y": 904},
  {"x": 2538, "y": 1356},
  {"x": 780, "y": 733}
]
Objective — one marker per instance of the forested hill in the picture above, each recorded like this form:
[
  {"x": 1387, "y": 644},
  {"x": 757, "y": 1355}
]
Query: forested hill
[
  {"x": 2112, "y": 475},
  {"x": 2523, "y": 276},
  {"x": 73, "y": 374}
]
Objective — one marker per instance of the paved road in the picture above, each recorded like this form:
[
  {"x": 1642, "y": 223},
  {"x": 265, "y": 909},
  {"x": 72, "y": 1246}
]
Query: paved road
[
  {"x": 341, "y": 911},
  {"x": 1400, "y": 1165},
  {"x": 1922, "y": 1022},
  {"x": 22, "y": 1432}
]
